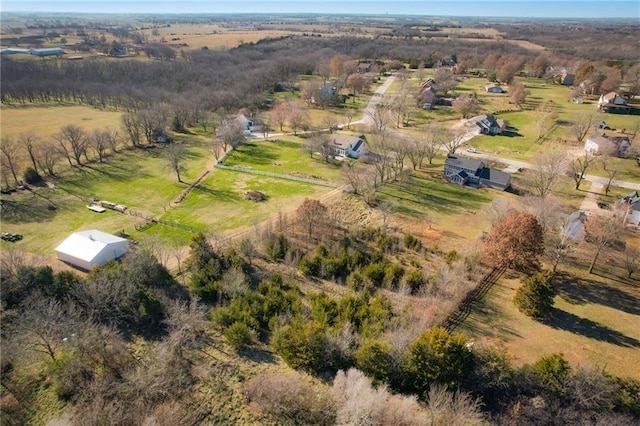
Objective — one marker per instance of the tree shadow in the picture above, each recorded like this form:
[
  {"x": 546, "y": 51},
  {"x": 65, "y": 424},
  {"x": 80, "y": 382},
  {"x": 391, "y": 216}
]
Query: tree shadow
[
  {"x": 579, "y": 292},
  {"x": 222, "y": 195},
  {"x": 257, "y": 355},
  {"x": 562, "y": 320},
  {"x": 251, "y": 153}
]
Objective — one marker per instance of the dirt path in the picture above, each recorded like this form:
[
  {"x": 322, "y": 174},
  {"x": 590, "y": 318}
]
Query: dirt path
[{"x": 590, "y": 202}]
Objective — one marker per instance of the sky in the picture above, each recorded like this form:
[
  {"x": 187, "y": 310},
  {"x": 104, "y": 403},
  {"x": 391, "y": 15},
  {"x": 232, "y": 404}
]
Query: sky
[{"x": 479, "y": 8}]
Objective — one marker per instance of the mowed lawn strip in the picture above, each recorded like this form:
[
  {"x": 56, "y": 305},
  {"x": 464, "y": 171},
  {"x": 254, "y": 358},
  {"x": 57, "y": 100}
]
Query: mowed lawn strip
[
  {"x": 219, "y": 204},
  {"x": 282, "y": 157}
]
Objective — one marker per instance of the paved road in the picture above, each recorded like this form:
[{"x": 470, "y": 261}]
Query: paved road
[{"x": 375, "y": 100}]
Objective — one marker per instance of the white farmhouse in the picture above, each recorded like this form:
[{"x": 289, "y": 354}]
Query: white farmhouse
[
  {"x": 88, "y": 249},
  {"x": 349, "y": 146}
]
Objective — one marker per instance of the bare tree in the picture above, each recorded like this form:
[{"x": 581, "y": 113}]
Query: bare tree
[
  {"x": 49, "y": 157},
  {"x": 601, "y": 232},
  {"x": 399, "y": 151},
  {"x": 547, "y": 168},
  {"x": 297, "y": 118},
  {"x": 45, "y": 324},
  {"x": 381, "y": 161},
  {"x": 453, "y": 139},
  {"x": 230, "y": 135},
  {"x": 465, "y": 106},
  {"x": 330, "y": 122},
  {"x": 401, "y": 106},
  {"x": 380, "y": 117},
  {"x": 132, "y": 127},
  {"x": 113, "y": 139},
  {"x": 100, "y": 141},
  {"x": 76, "y": 138},
  {"x": 174, "y": 154},
  {"x": 546, "y": 121},
  {"x": 446, "y": 80},
  {"x": 546, "y": 210},
  {"x": 311, "y": 215},
  {"x": 518, "y": 94},
  {"x": 349, "y": 113},
  {"x": 319, "y": 143},
  {"x": 580, "y": 165},
  {"x": 279, "y": 115},
  {"x": 356, "y": 83},
  {"x": 632, "y": 257},
  {"x": 581, "y": 125},
  {"x": 10, "y": 155},
  {"x": 29, "y": 142},
  {"x": 310, "y": 91},
  {"x": 612, "y": 172},
  {"x": 358, "y": 176}
]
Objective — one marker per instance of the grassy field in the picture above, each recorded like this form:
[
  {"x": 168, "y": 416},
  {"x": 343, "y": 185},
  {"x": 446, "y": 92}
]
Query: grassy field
[
  {"x": 594, "y": 322},
  {"x": 455, "y": 212},
  {"x": 283, "y": 157},
  {"x": 46, "y": 121},
  {"x": 218, "y": 203},
  {"x": 138, "y": 179}
]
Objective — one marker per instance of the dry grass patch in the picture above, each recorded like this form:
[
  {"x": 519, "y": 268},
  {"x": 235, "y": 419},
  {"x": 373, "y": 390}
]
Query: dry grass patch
[
  {"x": 594, "y": 320},
  {"x": 46, "y": 121}
]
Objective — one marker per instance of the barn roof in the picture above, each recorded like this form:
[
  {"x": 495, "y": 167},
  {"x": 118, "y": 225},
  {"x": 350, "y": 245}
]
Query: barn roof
[{"x": 87, "y": 245}]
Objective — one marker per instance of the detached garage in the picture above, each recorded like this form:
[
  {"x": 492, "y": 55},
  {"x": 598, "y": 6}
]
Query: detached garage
[{"x": 88, "y": 249}]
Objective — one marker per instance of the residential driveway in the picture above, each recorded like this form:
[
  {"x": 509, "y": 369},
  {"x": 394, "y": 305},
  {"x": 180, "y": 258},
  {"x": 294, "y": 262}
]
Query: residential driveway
[
  {"x": 590, "y": 202},
  {"x": 375, "y": 100}
]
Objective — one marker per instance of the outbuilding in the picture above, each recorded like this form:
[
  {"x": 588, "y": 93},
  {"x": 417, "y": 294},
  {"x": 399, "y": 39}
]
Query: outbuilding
[{"x": 88, "y": 249}]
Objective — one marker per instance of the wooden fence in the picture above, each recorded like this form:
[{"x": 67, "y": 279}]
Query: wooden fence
[{"x": 463, "y": 310}]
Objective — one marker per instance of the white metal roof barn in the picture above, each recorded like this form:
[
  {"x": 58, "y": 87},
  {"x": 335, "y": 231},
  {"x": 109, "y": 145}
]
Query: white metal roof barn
[{"x": 88, "y": 249}]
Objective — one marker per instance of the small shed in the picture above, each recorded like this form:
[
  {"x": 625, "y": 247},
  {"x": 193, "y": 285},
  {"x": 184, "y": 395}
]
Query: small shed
[
  {"x": 493, "y": 88},
  {"x": 88, "y": 249}
]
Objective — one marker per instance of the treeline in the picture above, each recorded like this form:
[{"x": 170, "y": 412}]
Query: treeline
[{"x": 221, "y": 79}]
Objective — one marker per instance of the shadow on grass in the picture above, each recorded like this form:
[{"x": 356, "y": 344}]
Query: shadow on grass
[
  {"x": 488, "y": 319},
  {"x": 257, "y": 355},
  {"x": 562, "y": 320},
  {"x": 512, "y": 134},
  {"x": 251, "y": 153},
  {"x": 220, "y": 195},
  {"x": 419, "y": 194},
  {"x": 578, "y": 292},
  {"x": 38, "y": 208}
]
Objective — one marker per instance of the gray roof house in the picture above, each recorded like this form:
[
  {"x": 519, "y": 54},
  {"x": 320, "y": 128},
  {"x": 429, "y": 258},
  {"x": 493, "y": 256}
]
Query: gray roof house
[
  {"x": 466, "y": 171},
  {"x": 348, "y": 145},
  {"x": 613, "y": 103},
  {"x": 632, "y": 203},
  {"x": 488, "y": 124},
  {"x": 573, "y": 228},
  {"x": 604, "y": 145}
]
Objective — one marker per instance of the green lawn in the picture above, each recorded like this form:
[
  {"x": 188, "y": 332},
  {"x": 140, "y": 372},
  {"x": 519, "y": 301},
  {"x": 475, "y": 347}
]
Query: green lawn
[
  {"x": 287, "y": 158},
  {"x": 218, "y": 203},
  {"x": 138, "y": 179}
]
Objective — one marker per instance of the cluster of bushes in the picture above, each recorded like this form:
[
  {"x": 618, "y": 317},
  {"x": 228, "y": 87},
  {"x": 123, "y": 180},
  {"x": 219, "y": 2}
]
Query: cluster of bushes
[{"x": 361, "y": 266}]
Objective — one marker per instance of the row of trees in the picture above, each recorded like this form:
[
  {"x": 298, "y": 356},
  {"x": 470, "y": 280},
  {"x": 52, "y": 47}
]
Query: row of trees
[{"x": 31, "y": 155}]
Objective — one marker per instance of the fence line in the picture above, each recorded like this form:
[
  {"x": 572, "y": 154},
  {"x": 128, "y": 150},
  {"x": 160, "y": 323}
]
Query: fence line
[
  {"x": 276, "y": 175},
  {"x": 462, "y": 311}
]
